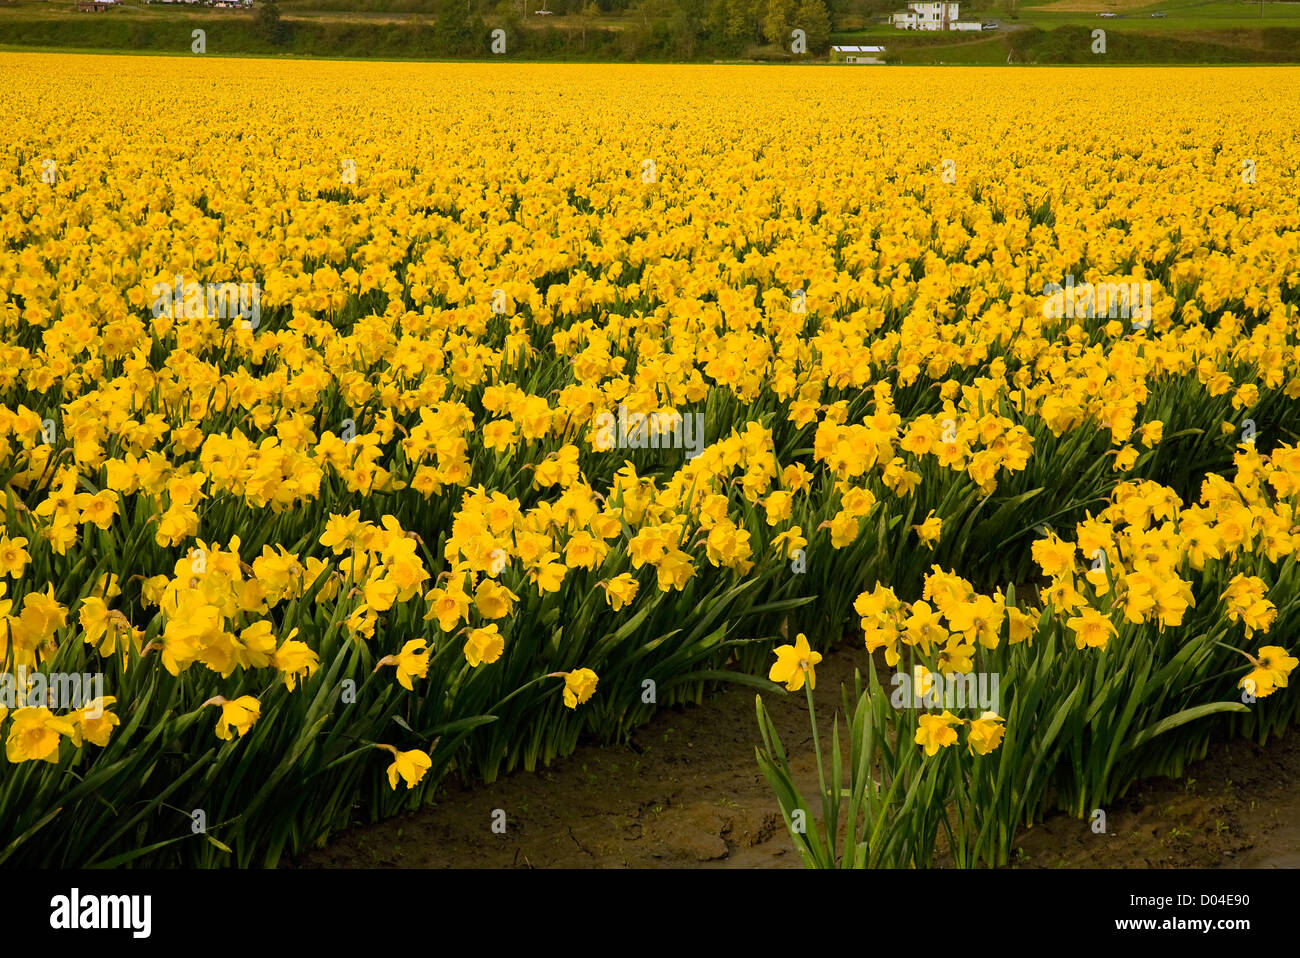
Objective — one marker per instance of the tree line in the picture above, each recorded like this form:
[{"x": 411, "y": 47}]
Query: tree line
[
  {"x": 610, "y": 29},
  {"x": 670, "y": 29}
]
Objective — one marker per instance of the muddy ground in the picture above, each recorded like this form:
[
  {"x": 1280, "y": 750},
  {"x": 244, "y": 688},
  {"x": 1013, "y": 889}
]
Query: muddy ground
[{"x": 686, "y": 792}]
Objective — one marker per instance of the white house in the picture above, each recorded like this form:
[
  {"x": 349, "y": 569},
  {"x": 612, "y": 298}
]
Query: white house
[
  {"x": 926, "y": 15},
  {"x": 932, "y": 15}
]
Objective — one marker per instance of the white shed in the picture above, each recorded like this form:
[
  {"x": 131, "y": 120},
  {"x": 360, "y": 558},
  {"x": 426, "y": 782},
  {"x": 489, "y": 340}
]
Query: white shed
[{"x": 873, "y": 55}]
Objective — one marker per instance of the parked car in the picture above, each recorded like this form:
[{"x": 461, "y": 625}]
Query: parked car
[
  {"x": 1108, "y": 16},
  {"x": 1159, "y": 13},
  {"x": 990, "y": 26}
]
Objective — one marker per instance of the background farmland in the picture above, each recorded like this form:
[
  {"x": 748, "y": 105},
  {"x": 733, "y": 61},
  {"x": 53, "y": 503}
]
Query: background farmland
[{"x": 1200, "y": 31}]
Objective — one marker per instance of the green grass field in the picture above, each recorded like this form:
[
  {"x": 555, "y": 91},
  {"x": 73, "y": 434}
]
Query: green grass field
[
  {"x": 1217, "y": 31},
  {"x": 1211, "y": 31},
  {"x": 1179, "y": 15}
]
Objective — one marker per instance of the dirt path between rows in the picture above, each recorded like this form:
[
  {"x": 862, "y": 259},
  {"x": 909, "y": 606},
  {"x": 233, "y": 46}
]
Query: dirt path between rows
[{"x": 686, "y": 792}]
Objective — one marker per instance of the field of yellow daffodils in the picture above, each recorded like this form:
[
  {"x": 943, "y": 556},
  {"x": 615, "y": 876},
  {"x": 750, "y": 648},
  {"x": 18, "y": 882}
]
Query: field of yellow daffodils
[{"x": 365, "y": 423}]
